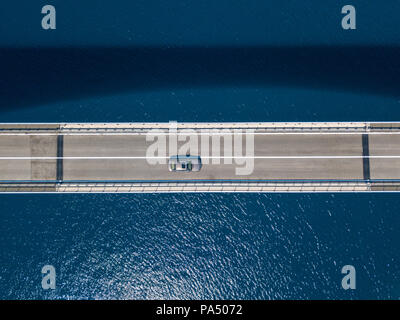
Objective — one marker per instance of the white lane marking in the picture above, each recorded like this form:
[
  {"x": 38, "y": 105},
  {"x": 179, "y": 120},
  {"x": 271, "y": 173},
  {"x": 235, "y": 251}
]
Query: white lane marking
[{"x": 205, "y": 157}]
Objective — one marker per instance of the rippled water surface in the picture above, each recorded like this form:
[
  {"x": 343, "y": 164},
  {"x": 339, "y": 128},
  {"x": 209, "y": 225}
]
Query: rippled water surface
[
  {"x": 205, "y": 246},
  {"x": 222, "y": 246}
]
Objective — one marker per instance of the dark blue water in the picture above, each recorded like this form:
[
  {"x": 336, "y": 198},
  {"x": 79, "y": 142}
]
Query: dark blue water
[
  {"x": 210, "y": 246},
  {"x": 280, "y": 61}
]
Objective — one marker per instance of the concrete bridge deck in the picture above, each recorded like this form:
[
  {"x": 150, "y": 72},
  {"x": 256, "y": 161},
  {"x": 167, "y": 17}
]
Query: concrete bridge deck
[{"x": 288, "y": 157}]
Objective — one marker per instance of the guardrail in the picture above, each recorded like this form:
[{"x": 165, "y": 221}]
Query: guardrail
[
  {"x": 68, "y": 128},
  {"x": 138, "y": 128},
  {"x": 218, "y": 186}
]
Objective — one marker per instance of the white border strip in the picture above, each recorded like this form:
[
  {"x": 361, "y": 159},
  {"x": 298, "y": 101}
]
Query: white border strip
[{"x": 196, "y": 134}]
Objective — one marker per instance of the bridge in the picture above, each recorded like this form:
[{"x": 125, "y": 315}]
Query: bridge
[{"x": 114, "y": 157}]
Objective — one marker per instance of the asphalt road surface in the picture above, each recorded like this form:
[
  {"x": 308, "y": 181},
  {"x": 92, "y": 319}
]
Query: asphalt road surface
[{"x": 277, "y": 156}]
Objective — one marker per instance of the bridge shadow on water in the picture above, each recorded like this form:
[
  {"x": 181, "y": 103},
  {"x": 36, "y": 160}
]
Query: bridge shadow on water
[{"x": 30, "y": 76}]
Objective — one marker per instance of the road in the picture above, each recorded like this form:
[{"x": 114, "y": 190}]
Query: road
[{"x": 277, "y": 156}]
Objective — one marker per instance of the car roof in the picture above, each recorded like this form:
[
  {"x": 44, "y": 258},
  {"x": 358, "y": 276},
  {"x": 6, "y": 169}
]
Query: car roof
[{"x": 180, "y": 158}]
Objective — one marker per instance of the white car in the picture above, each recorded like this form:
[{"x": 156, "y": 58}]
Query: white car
[{"x": 184, "y": 163}]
